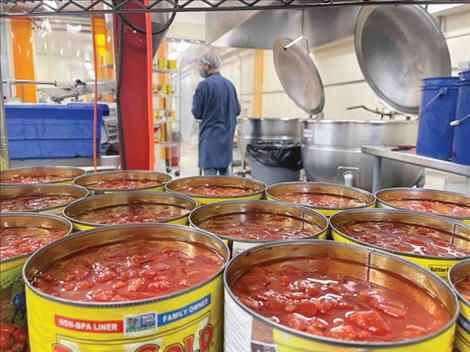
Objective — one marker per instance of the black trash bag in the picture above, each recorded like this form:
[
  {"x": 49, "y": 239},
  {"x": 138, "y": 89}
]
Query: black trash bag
[{"x": 286, "y": 155}]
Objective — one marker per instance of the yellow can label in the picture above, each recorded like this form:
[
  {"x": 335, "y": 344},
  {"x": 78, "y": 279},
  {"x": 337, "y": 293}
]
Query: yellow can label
[
  {"x": 462, "y": 334},
  {"x": 190, "y": 322},
  {"x": 12, "y": 300}
]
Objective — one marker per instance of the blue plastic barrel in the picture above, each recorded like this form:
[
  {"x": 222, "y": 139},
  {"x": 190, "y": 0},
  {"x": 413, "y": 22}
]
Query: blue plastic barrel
[
  {"x": 461, "y": 125},
  {"x": 437, "y": 110}
]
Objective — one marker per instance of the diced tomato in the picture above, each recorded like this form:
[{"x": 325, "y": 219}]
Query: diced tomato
[
  {"x": 344, "y": 332},
  {"x": 338, "y": 306},
  {"x": 6, "y": 340},
  {"x": 297, "y": 322},
  {"x": 6, "y": 328},
  {"x": 159, "y": 286},
  {"x": 371, "y": 321}
]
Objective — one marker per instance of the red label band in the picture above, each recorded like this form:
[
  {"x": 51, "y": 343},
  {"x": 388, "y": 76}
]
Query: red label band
[{"x": 93, "y": 326}]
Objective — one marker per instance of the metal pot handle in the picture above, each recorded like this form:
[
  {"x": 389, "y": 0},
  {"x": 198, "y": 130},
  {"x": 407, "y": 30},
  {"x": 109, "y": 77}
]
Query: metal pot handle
[
  {"x": 348, "y": 179},
  {"x": 459, "y": 121},
  {"x": 442, "y": 91}
]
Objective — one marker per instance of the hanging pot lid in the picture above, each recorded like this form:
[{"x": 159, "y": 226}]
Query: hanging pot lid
[
  {"x": 396, "y": 47},
  {"x": 299, "y": 76}
]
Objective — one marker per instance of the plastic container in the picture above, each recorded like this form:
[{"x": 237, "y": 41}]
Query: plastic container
[
  {"x": 461, "y": 146},
  {"x": 275, "y": 162},
  {"x": 45, "y": 131},
  {"x": 437, "y": 110}
]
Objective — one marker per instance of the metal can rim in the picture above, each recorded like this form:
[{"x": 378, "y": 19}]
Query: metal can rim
[
  {"x": 106, "y": 195},
  {"x": 323, "y": 230},
  {"x": 38, "y": 215},
  {"x": 51, "y": 186},
  {"x": 379, "y": 193},
  {"x": 451, "y": 282},
  {"x": 145, "y": 172},
  {"x": 331, "y": 341},
  {"x": 124, "y": 303},
  {"x": 397, "y": 211},
  {"x": 355, "y": 189},
  {"x": 172, "y": 182},
  {"x": 82, "y": 173}
]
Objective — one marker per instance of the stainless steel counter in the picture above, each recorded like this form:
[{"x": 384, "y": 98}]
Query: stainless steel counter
[{"x": 409, "y": 157}]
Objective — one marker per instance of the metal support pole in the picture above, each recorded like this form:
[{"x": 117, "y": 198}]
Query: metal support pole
[
  {"x": 377, "y": 174},
  {"x": 4, "y": 159}
]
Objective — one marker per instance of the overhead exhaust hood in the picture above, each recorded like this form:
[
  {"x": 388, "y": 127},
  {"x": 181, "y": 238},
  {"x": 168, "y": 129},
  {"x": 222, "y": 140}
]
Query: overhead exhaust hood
[{"x": 260, "y": 29}]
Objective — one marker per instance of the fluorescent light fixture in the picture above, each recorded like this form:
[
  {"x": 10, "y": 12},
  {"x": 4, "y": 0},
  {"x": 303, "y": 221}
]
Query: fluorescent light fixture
[
  {"x": 173, "y": 55},
  {"x": 443, "y": 7},
  {"x": 182, "y": 46},
  {"x": 73, "y": 29}
]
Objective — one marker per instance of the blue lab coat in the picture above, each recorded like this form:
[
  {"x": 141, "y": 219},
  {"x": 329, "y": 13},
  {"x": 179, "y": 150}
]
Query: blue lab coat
[{"x": 215, "y": 103}]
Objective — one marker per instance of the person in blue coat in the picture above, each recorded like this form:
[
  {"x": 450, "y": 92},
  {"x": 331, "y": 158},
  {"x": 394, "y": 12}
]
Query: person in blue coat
[{"x": 215, "y": 104}]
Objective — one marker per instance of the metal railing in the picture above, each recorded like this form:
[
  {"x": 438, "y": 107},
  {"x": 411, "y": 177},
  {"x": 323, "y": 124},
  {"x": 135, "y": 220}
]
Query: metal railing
[{"x": 18, "y": 8}]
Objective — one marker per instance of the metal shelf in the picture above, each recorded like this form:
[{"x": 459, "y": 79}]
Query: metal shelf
[
  {"x": 166, "y": 96},
  {"x": 160, "y": 70},
  {"x": 162, "y": 121},
  {"x": 410, "y": 157},
  {"x": 19, "y": 8}
]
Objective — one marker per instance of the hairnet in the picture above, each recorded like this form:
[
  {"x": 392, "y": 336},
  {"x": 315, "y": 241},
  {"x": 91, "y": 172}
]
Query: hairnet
[{"x": 210, "y": 58}]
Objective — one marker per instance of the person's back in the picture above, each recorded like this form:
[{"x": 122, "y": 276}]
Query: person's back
[{"x": 216, "y": 104}]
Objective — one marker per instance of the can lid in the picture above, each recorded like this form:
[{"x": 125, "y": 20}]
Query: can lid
[
  {"x": 393, "y": 48},
  {"x": 299, "y": 76}
]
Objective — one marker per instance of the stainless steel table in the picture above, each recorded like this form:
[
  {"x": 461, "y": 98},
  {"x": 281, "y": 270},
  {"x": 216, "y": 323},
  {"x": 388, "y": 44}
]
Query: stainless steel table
[{"x": 409, "y": 157}]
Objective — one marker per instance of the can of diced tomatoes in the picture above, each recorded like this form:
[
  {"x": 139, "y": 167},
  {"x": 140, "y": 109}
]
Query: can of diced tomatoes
[
  {"x": 459, "y": 278},
  {"x": 40, "y": 175},
  {"x": 310, "y": 296},
  {"x": 434, "y": 242},
  {"x": 451, "y": 205},
  {"x": 20, "y": 235},
  {"x": 215, "y": 189},
  {"x": 123, "y": 181},
  {"x": 129, "y": 207},
  {"x": 243, "y": 224},
  {"x": 326, "y": 198},
  {"x": 128, "y": 288},
  {"x": 51, "y": 199}
]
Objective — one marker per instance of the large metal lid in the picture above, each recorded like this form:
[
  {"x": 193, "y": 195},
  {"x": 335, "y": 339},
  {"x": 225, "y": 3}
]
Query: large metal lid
[
  {"x": 396, "y": 47},
  {"x": 299, "y": 76}
]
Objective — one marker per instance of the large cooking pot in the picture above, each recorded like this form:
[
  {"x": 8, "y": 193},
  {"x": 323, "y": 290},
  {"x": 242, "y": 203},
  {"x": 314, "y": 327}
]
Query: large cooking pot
[
  {"x": 331, "y": 151},
  {"x": 275, "y": 129}
]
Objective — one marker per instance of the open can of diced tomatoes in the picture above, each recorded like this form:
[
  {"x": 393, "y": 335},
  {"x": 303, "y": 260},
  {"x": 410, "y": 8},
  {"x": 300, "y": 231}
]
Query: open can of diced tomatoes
[
  {"x": 434, "y": 242},
  {"x": 326, "y": 198},
  {"x": 444, "y": 203},
  {"x": 123, "y": 181},
  {"x": 20, "y": 235},
  {"x": 309, "y": 296},
  {"x": 215, "y": 189},
  {"x": 50, "y": 199},
  {"x": 243, "y": 224},
  {"x": 128, "y": 288},
  {"x": 40, "y": 175},
  {"x": 129, "y": 208},
  {"x": 459, "y": 278}
]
